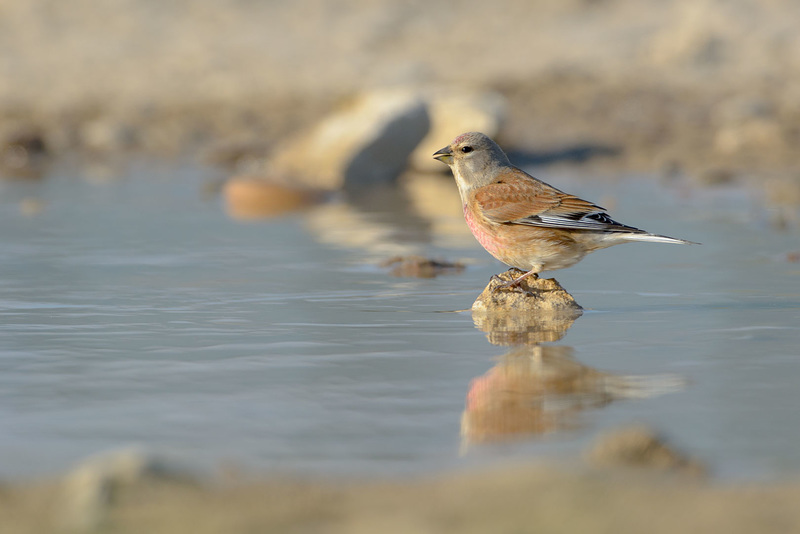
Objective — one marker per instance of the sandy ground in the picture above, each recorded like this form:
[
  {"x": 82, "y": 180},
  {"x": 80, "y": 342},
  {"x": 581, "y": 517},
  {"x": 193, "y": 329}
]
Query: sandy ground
[
  {"x": 708, "y": 87},
  {"x": 518, "y": 498}
]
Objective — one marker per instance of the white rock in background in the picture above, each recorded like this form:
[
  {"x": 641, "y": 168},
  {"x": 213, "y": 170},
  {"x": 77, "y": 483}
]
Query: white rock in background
[
  {"x": 108, "y": 135},
  {"x": 87, "y": 490},
  {"x": 368, "y": 142},
  {"x": 453, "y": 112}
]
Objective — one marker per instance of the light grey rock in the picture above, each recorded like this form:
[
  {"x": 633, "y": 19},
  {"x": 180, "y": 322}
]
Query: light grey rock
[
  {"x": 87, "y": 490},
  {"x": 108, "y": 135},
  {"x": 367, "y": 142}
]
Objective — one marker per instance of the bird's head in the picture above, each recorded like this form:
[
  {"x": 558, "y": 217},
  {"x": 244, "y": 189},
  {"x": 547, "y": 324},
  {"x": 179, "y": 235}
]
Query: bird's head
[{"x": 474, "y": 159}]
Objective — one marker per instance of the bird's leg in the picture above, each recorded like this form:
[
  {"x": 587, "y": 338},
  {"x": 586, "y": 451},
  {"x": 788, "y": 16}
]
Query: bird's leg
[
  {"x": 497, "y": 276},
  {"x": 515, "y": 283}
]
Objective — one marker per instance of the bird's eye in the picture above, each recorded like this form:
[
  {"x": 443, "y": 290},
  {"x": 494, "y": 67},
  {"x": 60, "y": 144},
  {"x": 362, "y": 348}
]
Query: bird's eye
[{"x": 466, "y": 149}]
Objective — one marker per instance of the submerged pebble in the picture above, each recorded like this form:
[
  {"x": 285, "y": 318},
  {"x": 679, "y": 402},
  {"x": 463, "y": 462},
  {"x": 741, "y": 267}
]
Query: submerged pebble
[
  {"x": 420, "y": 267},
  {"x": 641, "y": 447}
]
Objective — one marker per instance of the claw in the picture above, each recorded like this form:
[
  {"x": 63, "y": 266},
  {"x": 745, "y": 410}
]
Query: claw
[{"x": 514, "y": 285}]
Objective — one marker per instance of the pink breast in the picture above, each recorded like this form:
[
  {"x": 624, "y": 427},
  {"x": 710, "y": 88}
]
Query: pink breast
[{"x": 485, "y": 238}]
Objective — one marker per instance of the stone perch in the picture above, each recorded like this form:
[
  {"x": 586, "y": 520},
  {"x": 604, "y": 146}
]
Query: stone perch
[{"x": 540, "y": 294}]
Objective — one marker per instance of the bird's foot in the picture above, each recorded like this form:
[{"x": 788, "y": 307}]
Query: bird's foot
[
  {"x": 515, "y": 285},
  {"x": 496, "y": 277}
]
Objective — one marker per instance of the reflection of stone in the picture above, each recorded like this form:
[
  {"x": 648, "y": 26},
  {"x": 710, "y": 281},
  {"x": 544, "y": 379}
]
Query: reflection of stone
[
  {"x": 539, "y": 389},
  {"x": 31, "y": 206},
  {"x": 515, "y": 328},
  {"x": 345, "y": 226},
  {"x": 435, "y": 198},
  {"x": 254, "y": 198}
]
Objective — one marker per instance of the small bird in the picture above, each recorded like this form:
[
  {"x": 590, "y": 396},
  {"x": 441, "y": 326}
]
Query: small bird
[{"x": 524, "y": 222}]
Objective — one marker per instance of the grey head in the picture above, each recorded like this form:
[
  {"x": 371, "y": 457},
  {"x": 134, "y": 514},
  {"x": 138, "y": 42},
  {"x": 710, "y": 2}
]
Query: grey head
[{"x": 474, "y": 159}]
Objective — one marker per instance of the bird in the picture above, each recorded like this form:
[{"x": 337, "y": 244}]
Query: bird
[{"x": 524, "y": 222}]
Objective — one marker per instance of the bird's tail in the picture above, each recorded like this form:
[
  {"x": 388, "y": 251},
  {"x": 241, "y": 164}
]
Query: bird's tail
[
  {"x": 655, "y": 238},
  {"x": 642, "y": 387}
]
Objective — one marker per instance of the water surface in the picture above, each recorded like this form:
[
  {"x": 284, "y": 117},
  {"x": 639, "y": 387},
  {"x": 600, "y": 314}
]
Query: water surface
[{"x": 133, "y": 310}]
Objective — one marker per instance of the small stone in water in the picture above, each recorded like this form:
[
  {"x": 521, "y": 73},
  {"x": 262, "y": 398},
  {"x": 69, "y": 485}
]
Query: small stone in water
[{"x": 420, "y": 267}]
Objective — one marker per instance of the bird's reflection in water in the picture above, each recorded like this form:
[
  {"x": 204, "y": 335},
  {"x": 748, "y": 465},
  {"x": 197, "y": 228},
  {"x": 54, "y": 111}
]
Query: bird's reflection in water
[{"x": 536, "y": 389}]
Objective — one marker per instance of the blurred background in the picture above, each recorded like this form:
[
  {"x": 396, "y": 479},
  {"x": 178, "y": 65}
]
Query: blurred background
[
  {"x": 228, "y": 261},
  {"x": 716, "y": 81}
]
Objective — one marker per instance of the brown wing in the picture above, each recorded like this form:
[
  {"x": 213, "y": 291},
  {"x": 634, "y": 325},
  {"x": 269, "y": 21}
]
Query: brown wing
[{"x": 516, "y": 197}]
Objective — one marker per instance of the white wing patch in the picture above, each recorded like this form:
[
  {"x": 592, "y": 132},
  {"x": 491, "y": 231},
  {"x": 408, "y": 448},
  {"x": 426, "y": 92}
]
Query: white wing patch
[{"x": 598, "y": 221}]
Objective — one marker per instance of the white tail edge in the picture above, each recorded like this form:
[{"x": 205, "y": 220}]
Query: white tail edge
[{"x": 655, "y": 238}]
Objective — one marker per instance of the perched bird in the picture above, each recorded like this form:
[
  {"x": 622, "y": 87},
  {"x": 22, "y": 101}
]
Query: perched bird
[{"x": 524, "y": 222}]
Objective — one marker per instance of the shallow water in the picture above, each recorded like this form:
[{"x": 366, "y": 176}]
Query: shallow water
[{"x": 133, "y": 310}]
